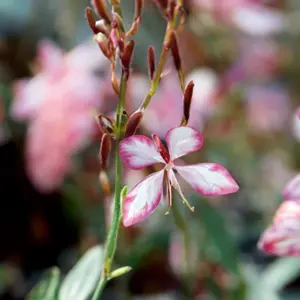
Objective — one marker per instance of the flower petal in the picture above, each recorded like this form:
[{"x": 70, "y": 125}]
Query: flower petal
[
  {"x": 138, "y": 152},
  {"x": 292, "y": 189},
  {"x": 49, "y": 55},
  {"x": 143, "y": 199},
  {"x": 283, "y": 237},
  {"x": 209, "y": 179},
  {"x": 183, "y": 140}
]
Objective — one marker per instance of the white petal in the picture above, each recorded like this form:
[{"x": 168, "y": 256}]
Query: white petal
[
  {"x": 143, "y": 199},
  {"x": 183, "y": 140},
  {"x": 138, "y": 152},
  {"x": 209, "y": 179}
]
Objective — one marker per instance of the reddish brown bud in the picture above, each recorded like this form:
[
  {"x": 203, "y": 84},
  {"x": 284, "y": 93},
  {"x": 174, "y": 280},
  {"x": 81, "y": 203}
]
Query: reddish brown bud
[
  {"x": 151, "y": 62},
  {"x": 100, "y": 26},
  {"x": 115, "y": 83},
  {"x": 106, "y": 124},
  {"x": 138, "y": 9},
  {"x": 101, "y": 10},
  {"x": 105, "y": 147},
  {"x": 91, "y": 20},
  {"x": 118, "y": 22},
  {"x": 187, "y": 101},
  {"x": 104, "y": 181},
  {"x": 127, "y": 56},
  {"x": 133, "y": 123},
  {"x": 103, "y": 43},
  {"x": 175, "y": 51}
]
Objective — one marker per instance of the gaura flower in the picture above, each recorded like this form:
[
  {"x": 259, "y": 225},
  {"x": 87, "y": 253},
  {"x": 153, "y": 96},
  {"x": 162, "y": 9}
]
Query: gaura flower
[
  {"x": 137, "y": 152},
  {"x": 282, "y": 238}
]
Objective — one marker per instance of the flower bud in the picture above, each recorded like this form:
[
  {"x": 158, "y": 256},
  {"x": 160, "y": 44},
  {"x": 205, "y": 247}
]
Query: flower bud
[
  {"x": 133, "y": 123},
  {"x": 175, "y": 52},
  {"x": 151, "y": 62},
  {"x": 187, "y": 101},
  {"x": 106, "y": 124},
  {"x": 101, "y": 10},
  {"x": 105, "y": 147},
  {"x": 120, "y": 271},
  {"x": 127, "y": 57},
  {"x": 138, "y": 9},
  {"x": 104, "y": 182},
  {"x": 91, "y": 20}
]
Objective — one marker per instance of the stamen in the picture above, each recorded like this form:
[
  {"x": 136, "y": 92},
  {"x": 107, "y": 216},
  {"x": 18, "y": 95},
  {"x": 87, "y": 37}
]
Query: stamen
[
  {"x": 177, "y": 187},
  {"x": 169, "y": 195}
]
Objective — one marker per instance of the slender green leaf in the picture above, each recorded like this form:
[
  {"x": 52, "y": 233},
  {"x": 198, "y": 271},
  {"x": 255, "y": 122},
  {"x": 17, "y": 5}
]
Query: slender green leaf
[
  {"x": 281, "y": 272},
  {"x": 83, "y": 277},
  {"x": 47, "y": 288}
]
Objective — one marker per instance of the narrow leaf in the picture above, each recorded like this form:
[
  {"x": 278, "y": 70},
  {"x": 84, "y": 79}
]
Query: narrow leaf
[
  {"x": 83, "y": 277},
  {"x": 47, "y": 288}
]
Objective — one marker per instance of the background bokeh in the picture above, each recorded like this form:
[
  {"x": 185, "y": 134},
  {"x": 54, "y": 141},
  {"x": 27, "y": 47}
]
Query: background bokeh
[{"x": 243, "y": 58}]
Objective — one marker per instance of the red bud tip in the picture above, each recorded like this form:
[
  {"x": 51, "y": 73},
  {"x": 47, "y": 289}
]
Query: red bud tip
[
  {"x": 187, "y": 101},
  {"x": 133, "y": 123},
  {"x": 175, "y": 51},
  {"x": 151, "y": 62},
  {"x": 127, "y": 56},
  {"x": 138, "y": 9},
  {"x": 105, "y": 147},
  {"x": 91, "y": 20}
]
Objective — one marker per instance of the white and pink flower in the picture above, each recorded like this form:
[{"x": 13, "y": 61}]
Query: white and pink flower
[
  {"x": 282, "y": 238},
  {"x": 58, "y": 102},
  {"x": 137, "y": 152}
]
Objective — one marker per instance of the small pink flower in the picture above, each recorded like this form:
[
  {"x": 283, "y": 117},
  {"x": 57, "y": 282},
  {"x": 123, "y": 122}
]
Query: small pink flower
[
  {"x": 139, "y": 151},
  {"x": 282, "y": 238}
]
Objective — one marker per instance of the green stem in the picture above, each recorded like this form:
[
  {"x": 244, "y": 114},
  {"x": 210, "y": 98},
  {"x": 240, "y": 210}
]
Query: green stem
[
  {"x": 163, "y": 56},
  {"x": 112, "y": 237},
  {"x": 182, "y": 225}
]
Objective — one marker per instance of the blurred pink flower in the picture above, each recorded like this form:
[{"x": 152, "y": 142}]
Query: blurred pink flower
[
  {"x": 250, "y": 16},
  {"x": 258, "y": 20},
  {"x": 258, "y": 59},
  {"x": 282, "y": 238},
  {"x": 139, "y": 151},
  {"x": 58, "y": 102},
  {"x": 158, "y": 118},
  {"x": 267, "y": 108}
]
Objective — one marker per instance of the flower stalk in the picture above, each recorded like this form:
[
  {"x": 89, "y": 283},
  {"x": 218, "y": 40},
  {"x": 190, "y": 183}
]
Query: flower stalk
[{"x": 112, "y": 237}]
